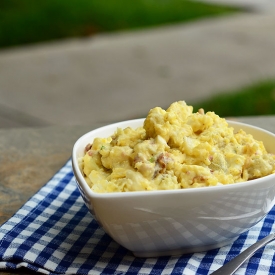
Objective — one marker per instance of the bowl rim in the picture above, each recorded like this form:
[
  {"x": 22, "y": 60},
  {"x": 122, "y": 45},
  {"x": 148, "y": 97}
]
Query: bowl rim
[{"x": 88, "y": 191}]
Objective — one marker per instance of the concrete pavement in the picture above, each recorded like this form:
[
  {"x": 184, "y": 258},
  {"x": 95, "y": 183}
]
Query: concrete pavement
[{"x": 108, "y": 78}]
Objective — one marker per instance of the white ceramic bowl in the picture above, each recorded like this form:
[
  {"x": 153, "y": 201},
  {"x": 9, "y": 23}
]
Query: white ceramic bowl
[{"x": 169, "y": 222}]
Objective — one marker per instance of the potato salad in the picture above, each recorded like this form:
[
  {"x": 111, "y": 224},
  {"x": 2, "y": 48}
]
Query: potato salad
[{"x": 175, "y": 149}]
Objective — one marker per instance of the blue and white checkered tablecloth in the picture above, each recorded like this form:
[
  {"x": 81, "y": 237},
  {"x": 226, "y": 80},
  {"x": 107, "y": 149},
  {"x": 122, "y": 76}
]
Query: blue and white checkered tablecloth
[{"x": 53, "y": 233}]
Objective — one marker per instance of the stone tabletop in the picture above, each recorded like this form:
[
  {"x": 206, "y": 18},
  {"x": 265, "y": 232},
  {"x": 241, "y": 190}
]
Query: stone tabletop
[{"x": 29, "y": 157}]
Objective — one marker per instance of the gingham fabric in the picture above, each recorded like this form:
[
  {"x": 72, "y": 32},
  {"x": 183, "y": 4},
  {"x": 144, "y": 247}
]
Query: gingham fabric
[{"x": 53, "y": 233}]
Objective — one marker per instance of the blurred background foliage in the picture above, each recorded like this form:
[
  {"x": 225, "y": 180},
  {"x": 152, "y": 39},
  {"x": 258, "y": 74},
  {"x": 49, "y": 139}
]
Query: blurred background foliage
[
  {"x": 253, "y": 100},
  {"x": 31, "y": 21}
]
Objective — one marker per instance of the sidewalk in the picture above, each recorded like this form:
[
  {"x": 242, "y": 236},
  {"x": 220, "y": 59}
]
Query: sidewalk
[{"x": 115, "y": 77}]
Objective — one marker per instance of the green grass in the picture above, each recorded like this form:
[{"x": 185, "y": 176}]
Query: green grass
[
  {"x": 253, "y": 100},
  {"x": 32, "y": 21}
]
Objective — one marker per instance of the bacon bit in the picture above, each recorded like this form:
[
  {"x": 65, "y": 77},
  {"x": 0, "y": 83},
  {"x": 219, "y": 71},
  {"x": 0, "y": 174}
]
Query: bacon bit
[
  {"x": 210, "y": 158},
  {"x": 90, "y": 153},
  {"x": 137, "y": 159},
  {"x": 88, "y": 147},
  {"x": 198, "y": 179},
  {"x": 161, "y": 163},
  {"x": 163, "y": 159}
]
